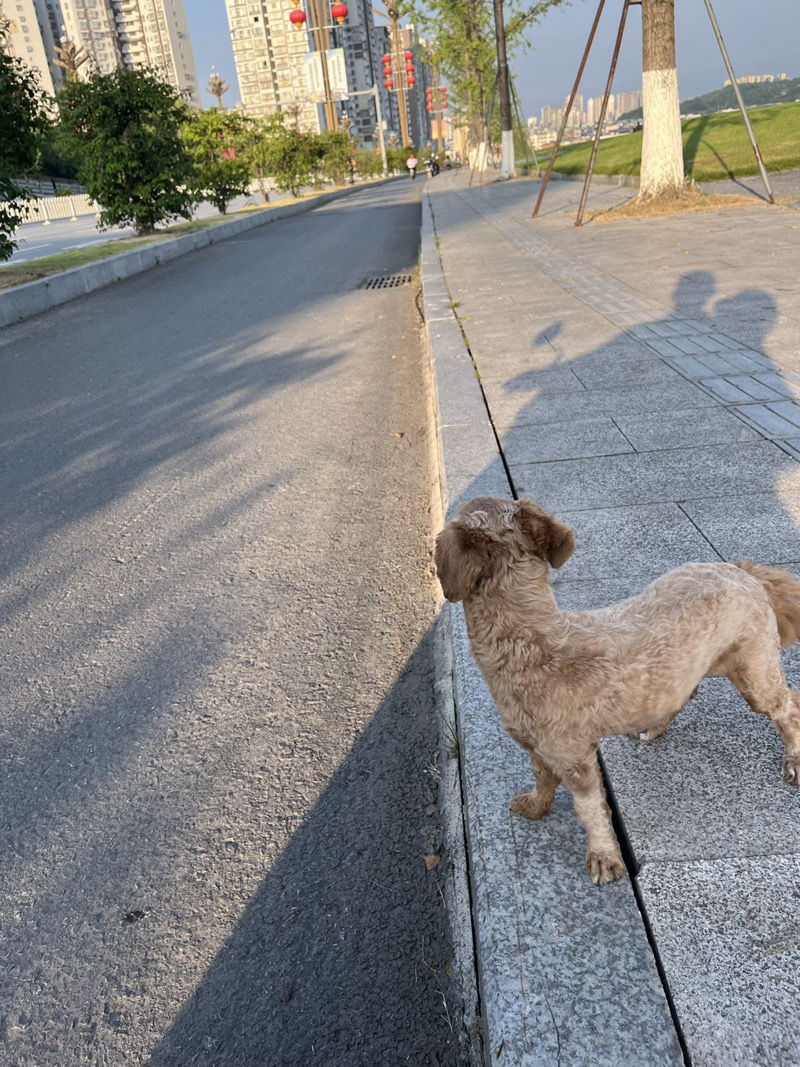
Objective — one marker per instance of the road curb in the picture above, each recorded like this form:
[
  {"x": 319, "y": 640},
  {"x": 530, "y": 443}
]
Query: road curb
[
  {"x": 24, "y": 301},
  {"x": 565, "y": 970}
]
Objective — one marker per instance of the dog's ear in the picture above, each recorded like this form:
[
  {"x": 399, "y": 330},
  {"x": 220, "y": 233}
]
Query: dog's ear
[
  {"x": 543, "y": 535},
  {"x": 460, "y": 556}
]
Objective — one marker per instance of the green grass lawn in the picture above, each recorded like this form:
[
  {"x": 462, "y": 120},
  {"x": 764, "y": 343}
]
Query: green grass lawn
[{"x": 714, "y": 147}]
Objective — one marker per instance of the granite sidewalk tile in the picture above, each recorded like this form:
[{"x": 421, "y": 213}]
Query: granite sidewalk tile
[
  {"x": 653, "y": 477},
  {"x": 702, "y": 381},
  {"x": 729, "y": 941},
  {"x": 515, "y": 402}
]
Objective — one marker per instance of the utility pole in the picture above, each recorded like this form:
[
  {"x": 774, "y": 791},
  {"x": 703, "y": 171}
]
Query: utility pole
[
  {"x": 399, "y": 68},
  {"x": 322, "y": 43},
  {"x": 507, "y": 130},
  {"x": 394, "y": 68}
]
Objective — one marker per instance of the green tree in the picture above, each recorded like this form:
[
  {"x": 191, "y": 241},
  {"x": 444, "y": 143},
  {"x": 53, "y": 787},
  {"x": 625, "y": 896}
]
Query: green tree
[
  {"x": 368, "y": 164},
  {"x": 337, "y": 152},
  {"x": 124, "y": 131},
  {"x": 23, "y": 125},
  {"x": 257, "y": 138},
  {"x": 218, "y": 145},
  {"x": 293, "y": 158},
  {"x": 463, "y": 46}
]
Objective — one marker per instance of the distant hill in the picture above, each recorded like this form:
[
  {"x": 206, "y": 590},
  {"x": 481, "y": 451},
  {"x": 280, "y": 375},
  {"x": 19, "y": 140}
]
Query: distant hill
[{"x": 721, "y": 99}]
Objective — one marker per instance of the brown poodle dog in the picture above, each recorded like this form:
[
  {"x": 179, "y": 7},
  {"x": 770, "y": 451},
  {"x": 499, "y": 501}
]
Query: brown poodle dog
[{"x": 563, "y": 680}]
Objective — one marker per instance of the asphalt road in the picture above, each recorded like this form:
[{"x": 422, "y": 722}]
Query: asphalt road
[{"x": 217, "y": 774}]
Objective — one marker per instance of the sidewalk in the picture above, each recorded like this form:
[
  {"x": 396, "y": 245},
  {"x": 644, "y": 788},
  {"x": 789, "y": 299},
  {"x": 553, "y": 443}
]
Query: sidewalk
[{"x": 640, "y": 380}]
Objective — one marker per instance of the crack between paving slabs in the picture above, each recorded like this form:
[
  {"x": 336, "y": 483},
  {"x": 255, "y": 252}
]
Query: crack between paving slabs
[{"x": 626, "y": 849}]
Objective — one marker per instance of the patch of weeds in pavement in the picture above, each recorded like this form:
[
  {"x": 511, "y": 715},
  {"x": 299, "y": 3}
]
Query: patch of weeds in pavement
[
  {"x": 454, "y": 304},
  {"x": 451, "y": 739}
]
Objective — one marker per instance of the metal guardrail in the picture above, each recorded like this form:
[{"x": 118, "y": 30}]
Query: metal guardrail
[{"x": 46, "y": 208}]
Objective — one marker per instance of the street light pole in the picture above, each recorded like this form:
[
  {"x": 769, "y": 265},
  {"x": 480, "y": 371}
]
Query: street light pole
[{"x": 507, "y": 130}]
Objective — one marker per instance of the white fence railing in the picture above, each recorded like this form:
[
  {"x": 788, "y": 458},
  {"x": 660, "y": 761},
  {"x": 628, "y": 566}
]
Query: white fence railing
[{"x": 46, "y": 208}]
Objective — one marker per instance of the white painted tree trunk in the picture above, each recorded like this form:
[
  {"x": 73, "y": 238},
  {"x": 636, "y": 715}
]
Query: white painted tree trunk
[
  {"x": 507, "y": 161},
  {"x": 662, "y": 148}
]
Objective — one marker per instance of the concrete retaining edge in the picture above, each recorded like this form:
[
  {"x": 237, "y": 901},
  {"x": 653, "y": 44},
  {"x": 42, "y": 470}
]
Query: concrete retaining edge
[
  {"x": 630, "y": 181},
  {"x": 566, "y": 974},
  {"x": 24, "y": 301}
]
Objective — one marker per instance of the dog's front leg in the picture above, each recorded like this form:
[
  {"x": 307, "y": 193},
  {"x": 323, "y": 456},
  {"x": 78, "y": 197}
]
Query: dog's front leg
[
  {"x": 582, "y": 778},
  {"x": 537, "y": 802}
]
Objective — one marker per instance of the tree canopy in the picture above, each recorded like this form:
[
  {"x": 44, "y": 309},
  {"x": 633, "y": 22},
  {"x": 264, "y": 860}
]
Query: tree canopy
[
  {"x": 218, "y": 143},
  {"x": 124, "y": 131},
  {"x": 23, "y": 126},
  {"x": 461, "y": 42}
]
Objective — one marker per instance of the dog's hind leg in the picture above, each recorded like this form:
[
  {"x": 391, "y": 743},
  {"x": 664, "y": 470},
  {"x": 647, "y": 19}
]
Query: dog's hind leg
[
  {"x": 582, "y": 778},
  {"x": 536, "y": 803},
  {"x": 757, "y": 674}
]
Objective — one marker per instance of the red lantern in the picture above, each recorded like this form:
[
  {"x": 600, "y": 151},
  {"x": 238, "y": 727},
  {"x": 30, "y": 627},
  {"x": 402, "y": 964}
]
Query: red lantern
[
  {"x": 298, "y": 17},
  {"x": 386, "y": 59},
  {"x": 412, "y": 81},
  {"x": 389, "y": 84},
  {"x": 409, "y": 68},
  {"x": 339, "y": 12},
  {"x": 430, "y": 109},
  {"x": 408, "y": 55},
  {"x": 444, "y": 105}
]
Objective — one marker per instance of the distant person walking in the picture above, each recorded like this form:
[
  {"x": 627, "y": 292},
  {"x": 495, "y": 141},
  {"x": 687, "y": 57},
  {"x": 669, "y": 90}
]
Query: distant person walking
[{"x": 411, "y": 163}]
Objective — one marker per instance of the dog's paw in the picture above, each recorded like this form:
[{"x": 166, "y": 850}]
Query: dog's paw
[
  {"x": 604, "y": 867},
  {"x": 530, "y": 805},
  {"x": 791, "y": 768},
  {"x": 653, "y": 732}
]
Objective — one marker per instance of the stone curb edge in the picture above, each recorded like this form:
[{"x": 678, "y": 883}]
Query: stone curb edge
[
  {"x": 519, "y": 1027},
  {"x": 24, "y": 301},
  {"x": 630, "y": 181}
]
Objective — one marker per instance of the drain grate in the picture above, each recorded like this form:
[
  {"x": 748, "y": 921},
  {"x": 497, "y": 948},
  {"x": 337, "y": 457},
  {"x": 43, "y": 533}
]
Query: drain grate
[{"x": 386, "y": 281}]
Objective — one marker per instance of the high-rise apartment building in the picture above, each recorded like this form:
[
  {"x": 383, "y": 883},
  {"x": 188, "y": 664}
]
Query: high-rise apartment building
[
  {"x": 271, "y": 54},
  {"x": 628, "y": 102},
  {"x": 268, "y": 52},
  {"x": 113, "y": 33},
  {"x": 29, "y": 37}
]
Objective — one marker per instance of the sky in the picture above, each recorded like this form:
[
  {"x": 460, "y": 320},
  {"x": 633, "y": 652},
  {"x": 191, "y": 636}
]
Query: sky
[{"x": 761, "y": 39}]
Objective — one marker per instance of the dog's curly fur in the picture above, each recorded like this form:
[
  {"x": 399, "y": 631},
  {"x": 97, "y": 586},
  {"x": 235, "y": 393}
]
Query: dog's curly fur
[{"x": 563, "y": 680}]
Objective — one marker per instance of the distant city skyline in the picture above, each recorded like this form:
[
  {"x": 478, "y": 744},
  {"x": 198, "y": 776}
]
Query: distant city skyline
[{"x": 545, "y": 72}]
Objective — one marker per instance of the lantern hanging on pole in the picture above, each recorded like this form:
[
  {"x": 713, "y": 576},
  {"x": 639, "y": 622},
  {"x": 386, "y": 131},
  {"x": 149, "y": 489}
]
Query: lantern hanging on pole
[
  {"x": 298, "y": 17},
  {"x": 389, "y": 84},
  {"x": 408, "y": 55},
  {"x": 412, "y": 81},
  {"x": 339, "y": 12}
]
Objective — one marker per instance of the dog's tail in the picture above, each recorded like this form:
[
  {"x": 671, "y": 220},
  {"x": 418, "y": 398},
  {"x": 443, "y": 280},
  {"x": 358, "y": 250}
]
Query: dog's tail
[{"x": 783, "y": 591}]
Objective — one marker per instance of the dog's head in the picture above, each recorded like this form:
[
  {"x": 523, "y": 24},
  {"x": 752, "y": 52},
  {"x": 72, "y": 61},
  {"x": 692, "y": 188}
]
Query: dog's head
[{"x": 489, "y": 534}]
